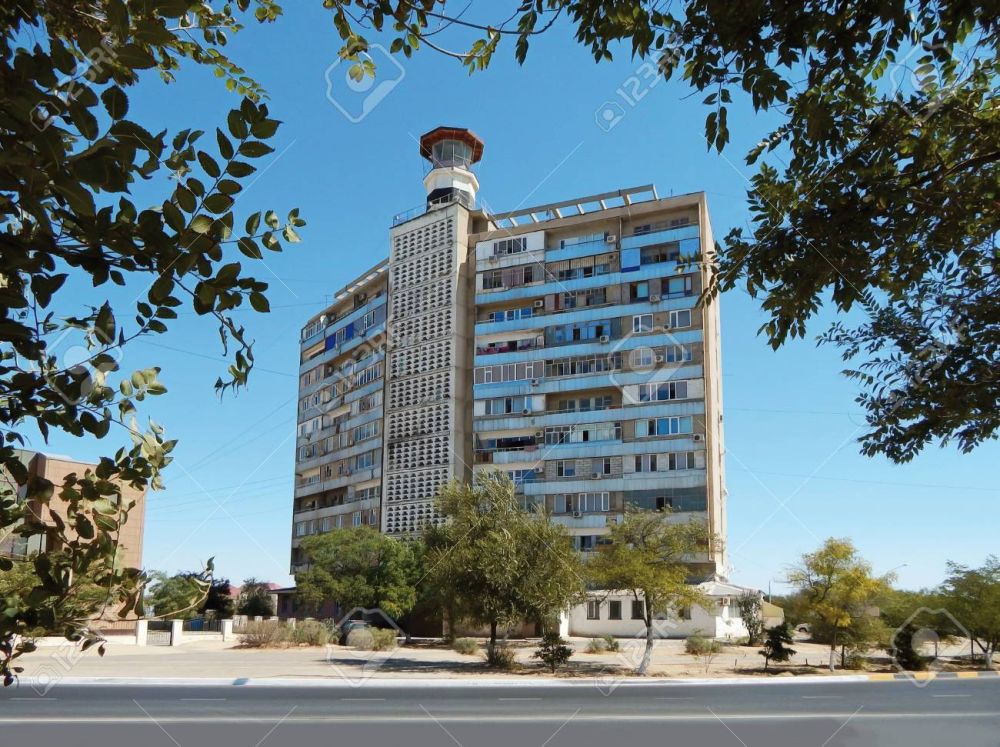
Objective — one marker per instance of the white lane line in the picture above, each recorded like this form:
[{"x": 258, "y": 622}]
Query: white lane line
[
  {"x": 518, "y": 698},
  {"x": 819, "y": 697},
  {"x": 951, "y": 696},
  {"x": 689, "y": 698},
  {"x": 202, "y": 699},
  {"x": 36, "y": 699},
  {"x": 363, "y": 700}
]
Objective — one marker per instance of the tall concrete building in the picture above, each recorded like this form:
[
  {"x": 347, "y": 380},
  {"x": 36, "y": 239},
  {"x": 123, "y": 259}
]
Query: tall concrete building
[{"x": 562, "y": 344}]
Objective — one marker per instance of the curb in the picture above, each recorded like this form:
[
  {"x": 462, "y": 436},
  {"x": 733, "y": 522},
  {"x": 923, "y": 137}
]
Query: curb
[{"x": 928, "y": 676}]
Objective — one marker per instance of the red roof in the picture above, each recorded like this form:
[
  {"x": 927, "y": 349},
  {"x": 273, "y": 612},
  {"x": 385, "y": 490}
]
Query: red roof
[{"x": 438, "y": 134}]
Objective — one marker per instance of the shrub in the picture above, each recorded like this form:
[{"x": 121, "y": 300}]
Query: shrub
[
  {"x": 310, "y": 632},
  {"x": 698, "y": 645},
  {"x": 596, "y": 646},
  {"x": 553, "y": 651},
  {"x": 361, "y": 638},
  {"x": 776, "y": 645},
  {"x": 467, "y": 646},
  {"x": 500, "y": 657},
  {"x": 263, "y": 634},
  {"x": 610, "y": 642},
  {"x": 383, "y": 639}
]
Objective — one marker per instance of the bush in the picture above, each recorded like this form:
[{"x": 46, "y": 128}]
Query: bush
[
  {"x": 610, "y": 642},
  {"x": 467, "y": 646},
  {"x": 263, "y": 634},
  {"x": 553, "y": 651},
  {"x": 500, "y": 657},
  {"x": 384, "y": 639},
  {"x": 361, "y": 638},
  {"x": 310, "y": 632},
  {"x": 697, "y": 645},
  {"x": 596, "y": 646}
]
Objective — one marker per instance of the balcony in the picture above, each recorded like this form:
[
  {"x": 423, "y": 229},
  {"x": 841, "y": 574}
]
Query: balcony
[{"x": 415, "y": 212}]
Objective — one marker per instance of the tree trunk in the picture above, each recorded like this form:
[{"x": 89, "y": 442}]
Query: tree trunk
[
  {"x": 647, "y": 655},
  {"x": 843, "y": 655},
  {"x": 833, "y": 657},
  {"x": 491, "y": 648}
]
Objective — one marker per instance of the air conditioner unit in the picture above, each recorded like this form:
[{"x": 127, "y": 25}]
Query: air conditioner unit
[
  {"x": 666, "y": 327},
  {"x": 698, "y": 437},
  {"x": 525, "y": 411},
  {"x": 578, "y": 514},
  {"x": 539, "y": 303},
  {"x": 595, "y": 475},
  {"x": 539, "y": 434},
  {"x": 658, "y": 358},
  {"x": 610, "y": 238},
  {"x": 534, "y": 382},
  {"x": 492, "y": 258},
  {"x": 654, "y": 299},
  {"x": 605, "y": 339}
]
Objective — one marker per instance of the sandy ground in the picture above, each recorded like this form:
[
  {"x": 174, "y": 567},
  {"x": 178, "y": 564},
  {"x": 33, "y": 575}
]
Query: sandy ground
[{"x": 418, "y": 660}]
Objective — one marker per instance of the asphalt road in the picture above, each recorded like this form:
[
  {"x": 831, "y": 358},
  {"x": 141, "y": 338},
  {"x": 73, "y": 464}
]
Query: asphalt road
[{"x": 955, "y": 713}]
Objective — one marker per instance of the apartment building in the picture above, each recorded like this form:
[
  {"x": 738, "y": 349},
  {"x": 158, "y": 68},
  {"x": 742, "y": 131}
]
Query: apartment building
[
  {"x": 56, "y": 468},
  {"x": 562, "y": 344}
]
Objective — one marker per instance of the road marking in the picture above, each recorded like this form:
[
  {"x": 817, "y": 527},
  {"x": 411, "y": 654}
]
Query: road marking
[
  {"x": 364, "y": 699},
  {"x": 202, "y": 699},
  {"x": 36, "y": 699},
  {"x": 817, "y": 697},
  {"x": 689, "y": 698},
  {"x": 951, "y": 696},
  {"x": 518, "y": 698}
]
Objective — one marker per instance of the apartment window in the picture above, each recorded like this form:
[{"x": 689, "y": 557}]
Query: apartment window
[
  {"x": 561, "y": 504},
  {"x": 680, "y": 318},
  {"x": 340, "y": 521},
  {"x": 642, "y": 323},
  {"x": 506, "y": 405},
  {"x": 684, "y": 613},
  {"x": 593, "y": 502},
  {"x": 356, "y": 519},
  {"x": 642, "y": 357},
  {"x": 301, "y": 528},
  {"x": 510, "y": 246},
  {"x": 645, "y": 462},
  {"x": 367, "y": 321},
  {"x": 509, "y": 372},
  {"x": 579, "y": 332},
  {"x": 677, "y": 353},
  {"x": 680, "y": 286},
  {"x": 663, "y": 426},
  {"x": 660, "y": 253},
  {"x": 581, "y": 240},
  {"x": 602, "y": 465},
  {"x": 584, "y": 365},
  {"x": 510, "y": 315},
  {"x": 594, "y": 609},
  {"x": 566, "y": 468},
  {"x": 366, "y": 431},
  {"x": 364, "y": 461},
  {"x": 326, "y": 524},
  {"x": 638, "y": 610},
  {"x": 638, "y": 291},
  {"x": 614, "y": 610},
  {"x": 661, "y": 392}
]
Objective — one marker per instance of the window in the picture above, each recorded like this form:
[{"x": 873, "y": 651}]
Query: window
[
  {"x": 356, "y": 519},
  {"x": 645, "y": 462},
  {"x": 614, "y": 610},
  {"x": 506, "y": 405},
  {"x": 579, "y": 332},
  {"x": 638, "y": 610},
  {"x": 301, "y": 528},
  {"x": 663, "y": 426},
  {"x": 583, "y": 365},
  {"x": 592, "y": 502},
  {"x": 509, "y": 372},
  {"x": 680, "y": 318},
  {"x": 510, "y": 246},
  {"x": 510, "y": 315},
  {"x": 642, "y": 358},
  {"x": 677, "y": 353},
  {"x": 638, "y": 291},
  {"x": 560, "y": 505},
  {"x": 581, "y": 240},
  {"x": 680, "y": 286},
  {"x": 602, "y": 465},
  {"x": 566, "y": 468},
  {"x": 643, "y": 322},
  {"x": 684, "y": 613},
  {"x": 594, "y": 609},
  {"x": 661, "y": 392}
]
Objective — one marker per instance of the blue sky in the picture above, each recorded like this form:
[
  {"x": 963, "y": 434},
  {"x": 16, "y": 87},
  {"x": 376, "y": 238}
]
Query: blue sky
[{"x": 795, "y": 475}]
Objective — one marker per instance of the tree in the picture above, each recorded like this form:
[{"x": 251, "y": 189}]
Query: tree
[
  {"x": 70, "y": 157},
  {"x": 776, "y": 645},
  {"x": 358, "y": 567},
  {"x": 497, "y": 563},
  {"x": 218, "y": 601},
  {"x": 255, "y": 599},
  {"x": 903, "y": 652},
  {"x": 878, "y": 197},
  {"x": 648, "y": 558},
  {"x": 171, "y": 596},
  {"x": 751, "y": 608},
  {"x": 553, "y": 651},
  {"x": 972, "y": 597},
  {"x": 840, "y": 589}
]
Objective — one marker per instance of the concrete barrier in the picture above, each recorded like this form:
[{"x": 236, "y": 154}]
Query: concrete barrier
[{"x": 176, "y": 632}]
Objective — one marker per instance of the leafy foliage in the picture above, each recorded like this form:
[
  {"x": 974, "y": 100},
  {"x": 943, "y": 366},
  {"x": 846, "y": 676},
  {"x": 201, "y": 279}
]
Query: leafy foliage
[
  {"x": 751, "y": 608},
  {"x": 498, "y": 563},
  {"x": 553, "y": 651},
  {"x": 358, "y": 567},
  {"x": 649, "y": 558},
  {"x": 178, "y": 597},
  {"x": 70, "y": 158},
  {"x": 840, "y": 591},
  {"x": 255, "y": 599},
  {"x": 776, "y": 646},
  {"x": 972, "y": 597}
]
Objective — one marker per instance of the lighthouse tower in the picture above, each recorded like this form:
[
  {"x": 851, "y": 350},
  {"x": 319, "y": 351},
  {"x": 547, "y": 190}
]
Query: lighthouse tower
[{"x": 451, "y": 151}]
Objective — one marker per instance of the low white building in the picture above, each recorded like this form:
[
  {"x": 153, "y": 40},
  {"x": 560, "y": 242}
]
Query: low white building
[{"x": 621, "y": 615}]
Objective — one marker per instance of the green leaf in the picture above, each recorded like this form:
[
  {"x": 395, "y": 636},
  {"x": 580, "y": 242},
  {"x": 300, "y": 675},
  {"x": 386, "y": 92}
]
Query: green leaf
[
  {"x": 208, "y": 163},
  {"x": 226, "y": 149},
  {"x": 259, "y": 302},
  {"x": 201, "y": 224},
  {"x": 115, "y": 101},
  {"x": 237, "y": 126},
  {"x": 255, "y": 149}
]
